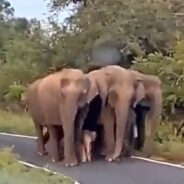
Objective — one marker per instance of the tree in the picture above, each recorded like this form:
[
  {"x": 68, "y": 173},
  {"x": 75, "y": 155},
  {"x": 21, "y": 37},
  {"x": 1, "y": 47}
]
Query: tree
[{"x": 126, "y": 20}]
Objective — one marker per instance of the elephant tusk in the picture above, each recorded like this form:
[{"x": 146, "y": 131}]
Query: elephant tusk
[
  {"x": 135, "y": 131},
  {"x": 135, "y": 104}
]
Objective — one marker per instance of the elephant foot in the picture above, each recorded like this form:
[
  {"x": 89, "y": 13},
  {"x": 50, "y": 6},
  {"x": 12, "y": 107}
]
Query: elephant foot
[
  {"x": 42, "y": 153},
  {"x": 55, "y": 159},
  {"x": 109, "y": 158},
  {"x": 71, "y": 163},
  {"x": 89, "y": 159},
  {"x": 84, "y": 160},
  {"x": 113, "y": 158},
  {"x": 149, "y": 148}
]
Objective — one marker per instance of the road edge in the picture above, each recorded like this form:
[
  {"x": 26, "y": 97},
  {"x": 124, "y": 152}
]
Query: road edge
[
  {"x": 46, "y": 169},
  {"x": 136, "y": 157},
  {"x": 32, "y": 165}
]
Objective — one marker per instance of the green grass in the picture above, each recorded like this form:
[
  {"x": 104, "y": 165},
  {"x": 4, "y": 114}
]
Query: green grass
[
  {"x": 172, "y": 147},
  {"x": 171, "y": 150},
  {"x": 16, "y": 123},
  {"x": 12, "y": 172}
]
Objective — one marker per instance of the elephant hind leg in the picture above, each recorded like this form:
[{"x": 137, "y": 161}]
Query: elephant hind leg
[
  {"x": 60, "y": 136},
  {"x": 53, "y": 143},
  {"x": 121, "y": 120},
  {"x": 107, "y": 120},
  {"x": 40, "y": 140},
  {"x": 46, "y": 137}
]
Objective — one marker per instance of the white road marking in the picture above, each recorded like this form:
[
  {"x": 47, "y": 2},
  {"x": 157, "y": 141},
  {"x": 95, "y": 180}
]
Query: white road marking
[
  {"x": 18, "y": 135},
  {"x": 140, "y": 158},
  {"x": 160, "y": 162},
  {"x": 45, "y": 169}
]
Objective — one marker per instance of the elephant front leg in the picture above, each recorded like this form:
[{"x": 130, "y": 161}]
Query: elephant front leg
[
  {"x": 69, "y": 148},
  {"x": 40, "y": 140},
  {"x": 121, "y": 119},
  {"x": 53, "y": 144},
  {"x": 68, "y": 119},
  {"x": 107, "y": 120}
]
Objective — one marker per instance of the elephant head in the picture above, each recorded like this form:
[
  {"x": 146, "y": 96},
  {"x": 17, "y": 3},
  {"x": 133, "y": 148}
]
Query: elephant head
[{"x": 79, "y": 85}]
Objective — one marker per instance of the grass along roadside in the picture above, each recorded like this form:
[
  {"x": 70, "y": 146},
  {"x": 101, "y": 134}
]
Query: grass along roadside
[
  {"x": 16, "y": 123},
  {"x": 12, "y": 172}
]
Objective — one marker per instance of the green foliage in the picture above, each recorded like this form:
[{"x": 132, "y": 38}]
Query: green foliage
[
  {"x": 15, "y": 92},
  {"x": 27, "y": 51}
]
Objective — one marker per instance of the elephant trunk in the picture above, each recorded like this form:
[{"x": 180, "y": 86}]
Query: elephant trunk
[
  {"x": 121, "y": 114},
  {"x": 155, "y": 111},
  {"x": 68, "y": 111}
]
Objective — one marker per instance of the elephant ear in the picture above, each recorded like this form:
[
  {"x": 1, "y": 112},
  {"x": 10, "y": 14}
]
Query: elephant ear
[
  {"x": 93, "y": 91},
  {"x": 63, "y": 84},
  {"x": 139, "y": 91},
  {"x": 84, "y": 85},
  {"x": 112, "y": 98}
]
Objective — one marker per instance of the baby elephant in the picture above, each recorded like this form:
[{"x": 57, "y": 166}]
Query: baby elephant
[{"x": 88, "y": 138}]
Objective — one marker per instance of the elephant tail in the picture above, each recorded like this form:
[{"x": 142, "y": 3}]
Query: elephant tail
[{"x": 179, "y": 129}]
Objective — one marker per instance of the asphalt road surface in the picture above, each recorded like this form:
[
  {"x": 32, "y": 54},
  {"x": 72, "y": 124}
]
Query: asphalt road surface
[{"x": 99, "y": 172}]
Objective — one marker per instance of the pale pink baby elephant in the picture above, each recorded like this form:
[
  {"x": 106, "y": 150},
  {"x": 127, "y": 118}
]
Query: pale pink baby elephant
[{"x": 88, "y": 139}]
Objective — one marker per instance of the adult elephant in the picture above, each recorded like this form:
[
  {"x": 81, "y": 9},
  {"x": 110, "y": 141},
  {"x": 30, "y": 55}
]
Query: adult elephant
[
  {"x": 153, "y": 98},
  {"x": 60, "y": 95},
  {"x": 121, "y": 89},
  {"x": 118, "y": 88}
]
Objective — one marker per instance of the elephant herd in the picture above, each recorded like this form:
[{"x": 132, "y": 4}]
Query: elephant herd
[{"x": 105, "y": 109}]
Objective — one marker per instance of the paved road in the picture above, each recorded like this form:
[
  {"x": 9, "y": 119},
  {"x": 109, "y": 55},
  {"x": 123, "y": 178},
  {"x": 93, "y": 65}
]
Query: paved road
[{"x": 99, "y": 172}]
